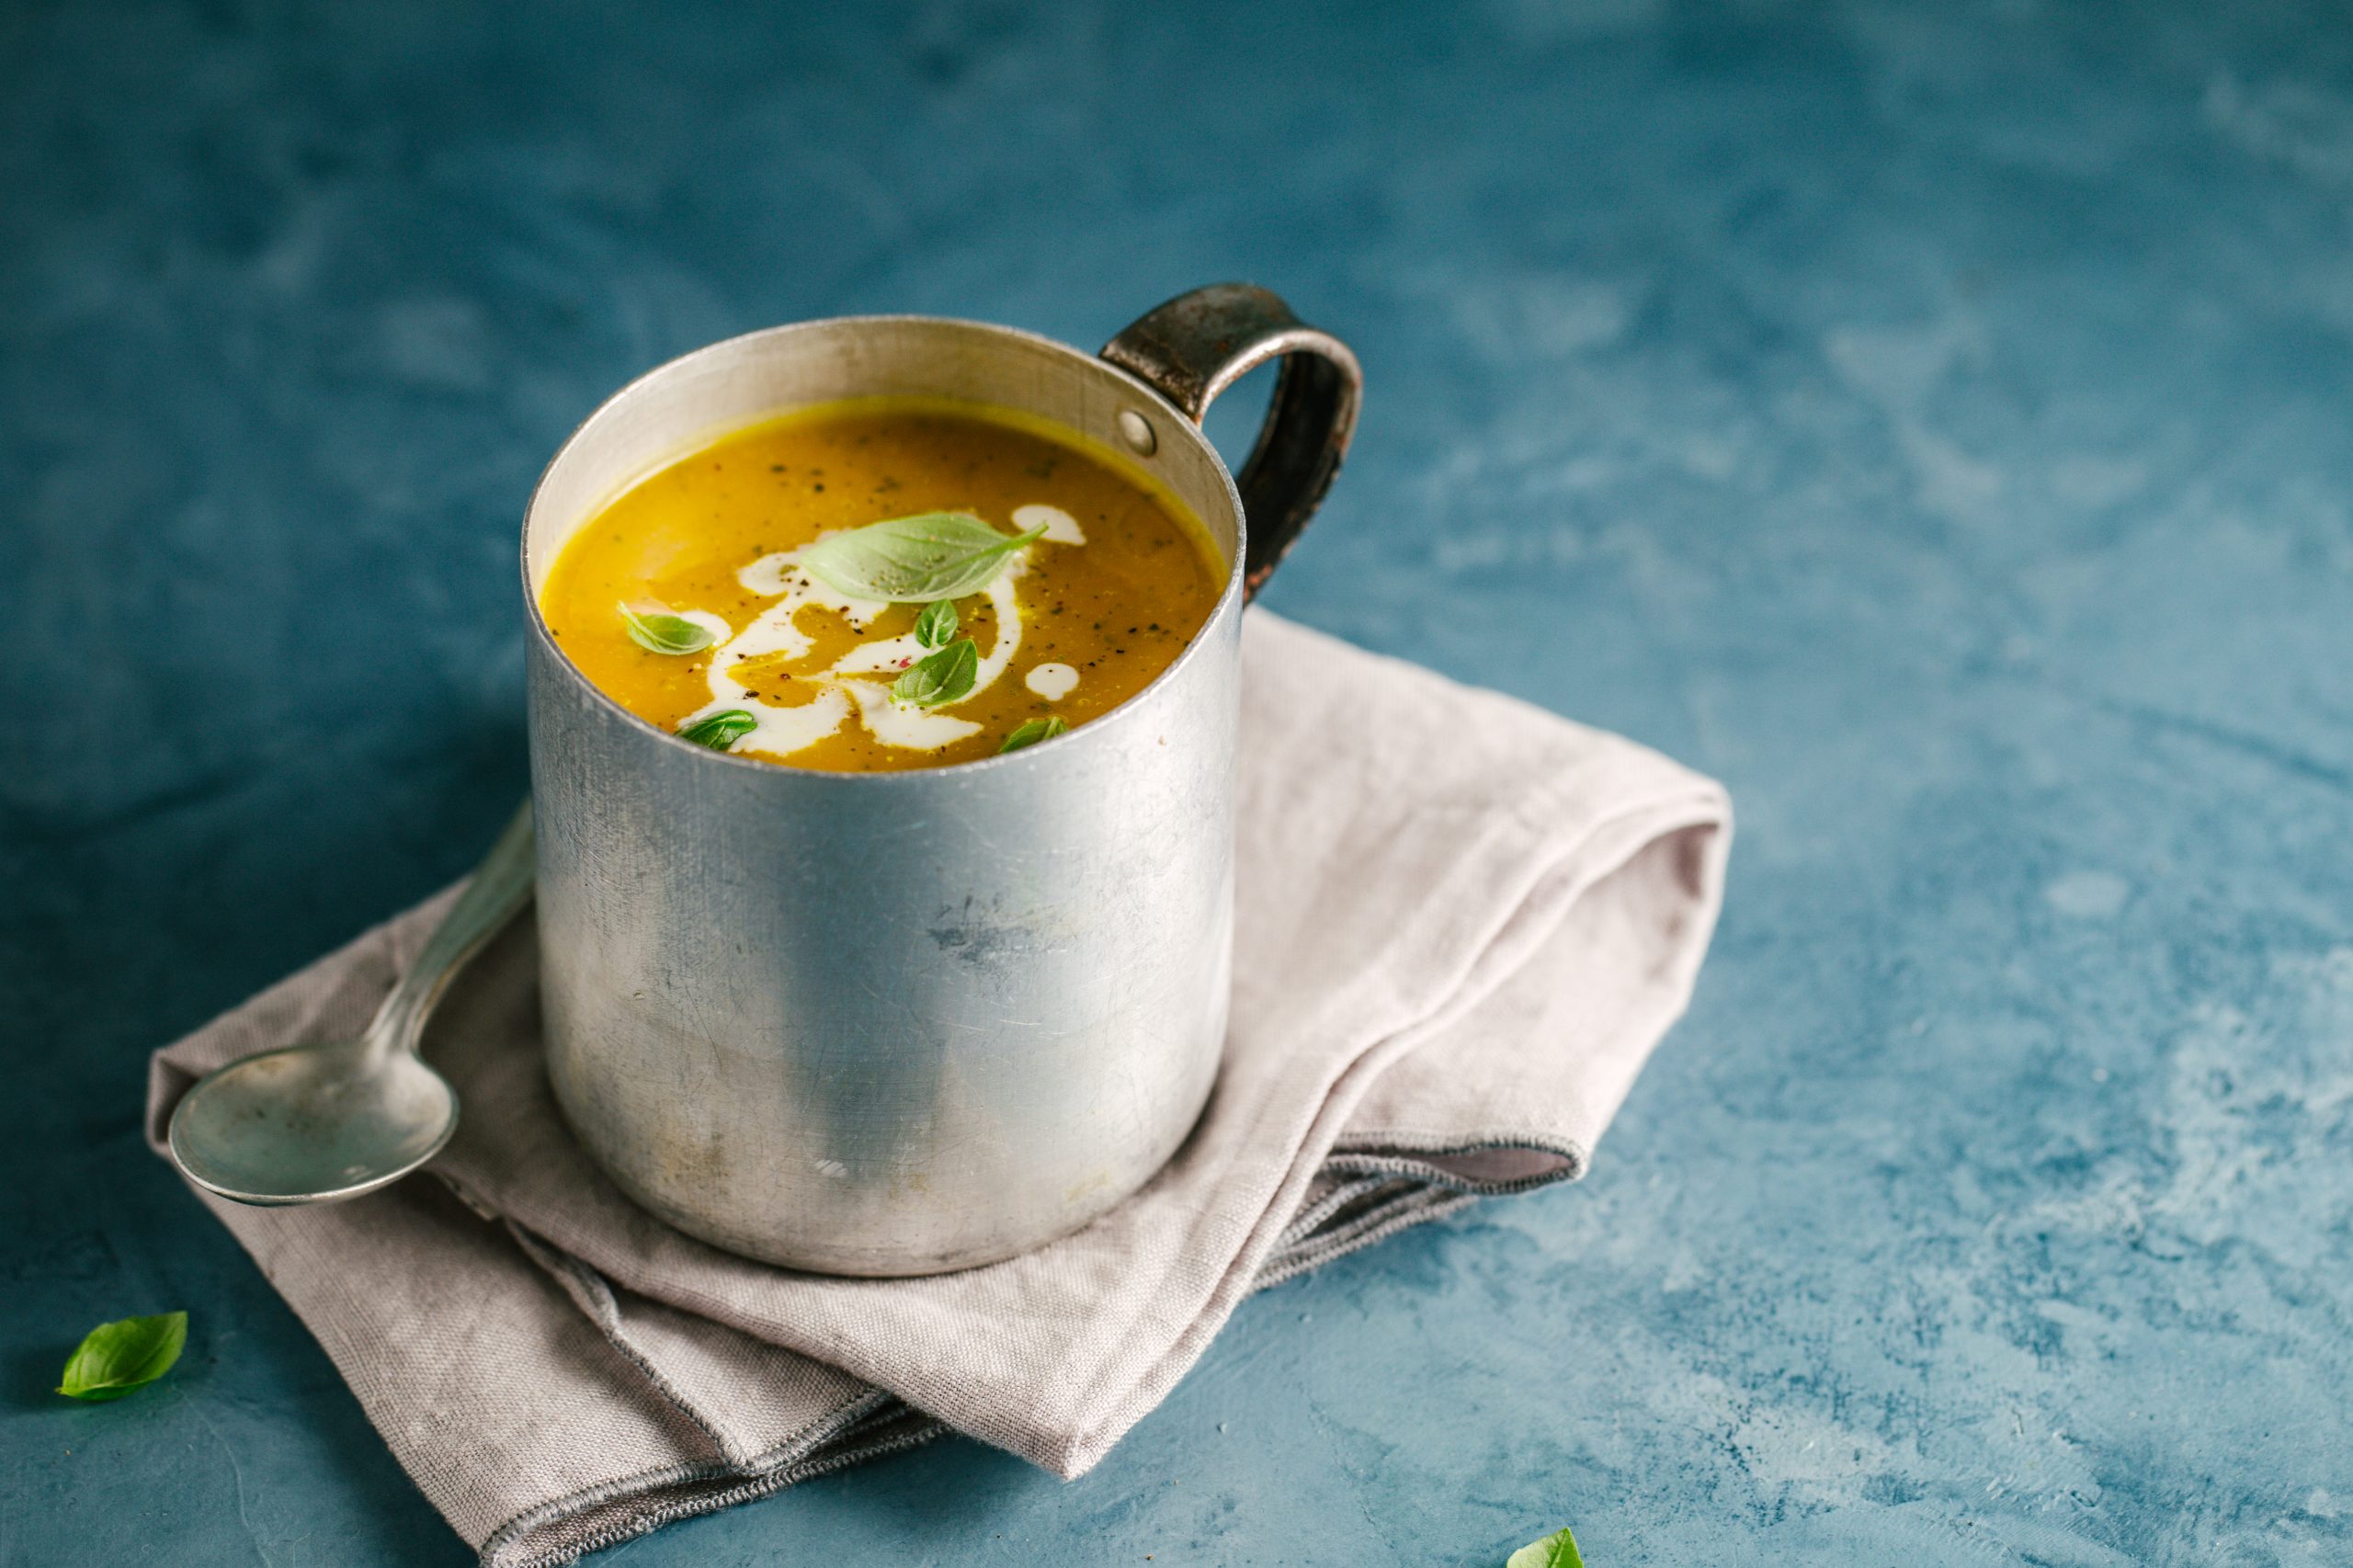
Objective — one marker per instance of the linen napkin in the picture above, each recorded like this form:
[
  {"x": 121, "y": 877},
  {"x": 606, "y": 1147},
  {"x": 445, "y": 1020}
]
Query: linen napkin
[{"x": 1461, "y": 924}]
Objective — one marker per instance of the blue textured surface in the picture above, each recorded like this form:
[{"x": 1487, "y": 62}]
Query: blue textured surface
[{"x": 1931, "y": 419}]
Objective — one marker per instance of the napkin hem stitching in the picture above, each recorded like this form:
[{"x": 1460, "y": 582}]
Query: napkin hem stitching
[
  {"x": 1418, "y": 1207},
  {"x": 770, "y": 1471},
  {"x": 1576, "y": 1160}
]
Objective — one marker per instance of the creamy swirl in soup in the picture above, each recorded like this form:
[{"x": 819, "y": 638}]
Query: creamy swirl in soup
[{"x": 882, "y": 584}]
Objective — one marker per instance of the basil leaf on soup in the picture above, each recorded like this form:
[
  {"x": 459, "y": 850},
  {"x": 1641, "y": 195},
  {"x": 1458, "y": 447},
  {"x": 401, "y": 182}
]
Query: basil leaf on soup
[
  {"x": 917, "y": 560},
  {"x": 719, "y": 731},
  {"x": 1029, "y": 732},
  {"x": 937, "y": 624},
  {"x": 657, "y": 631},
  {"x": 1558, "y": 1550},
  {"x": 116, "y": 1357},
  {"x": 940, "y": 677}
]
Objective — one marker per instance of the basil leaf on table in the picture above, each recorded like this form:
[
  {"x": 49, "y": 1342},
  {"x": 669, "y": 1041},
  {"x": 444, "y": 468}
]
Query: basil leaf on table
[
  {"x": 917, "y": 560},
  {"x": 719, "y": 731},
  {"x": 937, "y": 624},
  {"x": 1558, "y": 1550},
  {"x": 658, "y": 631},
  {"x": 1029, "y": 732},
  {"x": 940, "y": 677},
  {"x": 114, "y": 1358}
]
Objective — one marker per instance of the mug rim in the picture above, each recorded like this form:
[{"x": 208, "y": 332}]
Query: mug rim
[{"x": 1228, "y": 600}]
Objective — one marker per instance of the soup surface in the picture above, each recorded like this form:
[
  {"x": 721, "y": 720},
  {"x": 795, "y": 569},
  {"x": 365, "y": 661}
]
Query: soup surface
[{"x": 983, "y": 582}]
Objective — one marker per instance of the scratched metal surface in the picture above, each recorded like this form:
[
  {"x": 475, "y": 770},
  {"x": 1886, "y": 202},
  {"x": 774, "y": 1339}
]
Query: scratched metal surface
[{"x": 1929, "y": 419}]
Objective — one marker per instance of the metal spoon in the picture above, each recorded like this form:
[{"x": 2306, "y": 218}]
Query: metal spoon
[{"x": 315, "y": 1123}]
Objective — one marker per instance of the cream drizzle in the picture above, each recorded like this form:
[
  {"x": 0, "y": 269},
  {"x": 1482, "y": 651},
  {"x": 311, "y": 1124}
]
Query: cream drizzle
[
  {"x": 781, "y": 732},
  {"x": 1060, "y": 526},
  {"x": 1052, "y": 682}
]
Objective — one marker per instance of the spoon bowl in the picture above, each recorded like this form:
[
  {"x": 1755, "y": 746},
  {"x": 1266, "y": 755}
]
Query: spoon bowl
[
  {"x": 317, "y": 1123},
  {"x": 312, "y": 1124}
]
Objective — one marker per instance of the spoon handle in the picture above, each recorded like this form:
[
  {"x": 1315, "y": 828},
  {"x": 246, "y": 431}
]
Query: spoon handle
[{"x": 500, "y": 886}]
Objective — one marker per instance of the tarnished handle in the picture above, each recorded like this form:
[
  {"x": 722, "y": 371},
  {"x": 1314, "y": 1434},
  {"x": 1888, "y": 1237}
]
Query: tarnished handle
[{"x": 1197, "y": 345}]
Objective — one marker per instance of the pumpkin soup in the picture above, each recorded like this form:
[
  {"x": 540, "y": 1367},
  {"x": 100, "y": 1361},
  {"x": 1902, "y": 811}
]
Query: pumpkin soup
[{"x": 882, "y": 584}]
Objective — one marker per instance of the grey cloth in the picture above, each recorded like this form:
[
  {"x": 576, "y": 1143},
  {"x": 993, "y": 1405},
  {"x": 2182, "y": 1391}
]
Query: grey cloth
[{"x": 1462, "y": 924}]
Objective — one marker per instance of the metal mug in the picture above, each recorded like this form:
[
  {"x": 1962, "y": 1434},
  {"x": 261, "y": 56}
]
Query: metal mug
[{"x": 901, "y": 1023}]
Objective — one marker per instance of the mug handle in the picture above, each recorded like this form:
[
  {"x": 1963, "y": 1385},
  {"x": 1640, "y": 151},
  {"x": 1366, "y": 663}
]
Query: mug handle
[{"x": 1197, "y": 345}]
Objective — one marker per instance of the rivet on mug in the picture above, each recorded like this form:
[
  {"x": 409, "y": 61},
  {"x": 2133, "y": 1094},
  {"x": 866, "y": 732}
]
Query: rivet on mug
[{"x": 1138, "y": 432}]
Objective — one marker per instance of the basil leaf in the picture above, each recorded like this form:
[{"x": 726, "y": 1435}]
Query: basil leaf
[
  {"x": 1029, "y": 732},
  {"x": 1558, "y": 1550},
  {"x": 940, "y": 677},
  {"x": 116, "y": 1357},
  {"x": 719, "y": 731},
  {"x": 937, "y": 624},
  {"x": 917, "y": 560},
  {"x": 661, "y": 634}
]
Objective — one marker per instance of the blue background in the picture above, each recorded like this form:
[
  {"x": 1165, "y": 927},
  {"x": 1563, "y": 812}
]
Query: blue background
[{"x": 1932, "y": 419}]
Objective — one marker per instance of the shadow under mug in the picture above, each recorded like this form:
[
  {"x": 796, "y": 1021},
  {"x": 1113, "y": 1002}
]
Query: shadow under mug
[{"x": 900, "y": 1023}]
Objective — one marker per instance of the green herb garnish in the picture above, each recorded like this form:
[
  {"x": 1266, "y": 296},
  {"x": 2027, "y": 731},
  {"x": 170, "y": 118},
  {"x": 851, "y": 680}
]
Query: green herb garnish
[
  {"x": 940, "y": 677},
  {"x": 1029, "y": 732},
  {"x": 1558, "y": 1550},
  {"x": 937, "y": 624},
  {"x": 115, "y": 1358},
  {"x": 658, "y": 631},
  {"x": 917, "y": 560},
  {"x": 719, "y": 731}
]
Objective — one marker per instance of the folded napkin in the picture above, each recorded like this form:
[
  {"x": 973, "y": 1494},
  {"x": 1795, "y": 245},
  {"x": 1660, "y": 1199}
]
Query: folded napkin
[{"x": 1462, "y": 924}]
